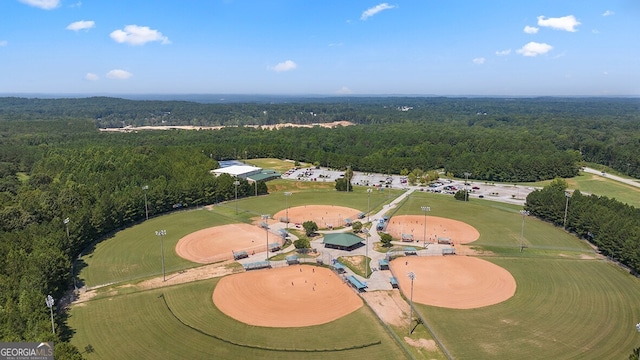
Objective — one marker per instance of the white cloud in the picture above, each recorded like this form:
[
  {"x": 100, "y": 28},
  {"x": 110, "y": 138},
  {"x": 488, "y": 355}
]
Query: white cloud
[
  {"x": 3, "y": 43},
  {"x": 566, "y": 23},
  {"x": 530, "y": 29},
  {"x": 503, "y": 52},
  {"x": 42, "y": 4},
  {"x": 608, "y": 13},
  {"x": 284, "y": 66},
  {"x": 81, "y": 25},
  {"x": 91, "y": 77},
  {"x": 374, "y": 10},
  {"x": 344, "y": 91},
  {"x": 118, "y": 74},
  {"x": 479, "y": 61},
  {"x": 534, "y": 49},
  {"x": 138, "y": 35}
]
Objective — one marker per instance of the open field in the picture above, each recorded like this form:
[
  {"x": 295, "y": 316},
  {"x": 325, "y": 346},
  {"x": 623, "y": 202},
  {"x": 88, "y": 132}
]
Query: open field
[
  {"x": 278, "y": 165},
  {"x": 601, "y": 186},
  {"x": 189, "y": 326},
  {"x": 569, "y": 303}
]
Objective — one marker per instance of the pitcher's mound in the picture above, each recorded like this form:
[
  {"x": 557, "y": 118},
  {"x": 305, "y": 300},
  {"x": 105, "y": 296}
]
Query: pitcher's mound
[
  {"x": 292, "y": 296},
  {"x": 456, "y": 282}
]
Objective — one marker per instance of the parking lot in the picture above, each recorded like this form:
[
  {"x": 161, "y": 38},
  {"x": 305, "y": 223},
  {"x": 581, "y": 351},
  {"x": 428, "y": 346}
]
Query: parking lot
[{"x": 510, "y": 193}]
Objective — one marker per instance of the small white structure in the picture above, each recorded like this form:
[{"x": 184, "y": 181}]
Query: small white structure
[{"x": 241, "y": 171}]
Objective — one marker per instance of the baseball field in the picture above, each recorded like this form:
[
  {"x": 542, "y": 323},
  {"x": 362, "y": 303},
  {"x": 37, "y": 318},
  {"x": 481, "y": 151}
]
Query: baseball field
[{"x": 566, "y": 301}]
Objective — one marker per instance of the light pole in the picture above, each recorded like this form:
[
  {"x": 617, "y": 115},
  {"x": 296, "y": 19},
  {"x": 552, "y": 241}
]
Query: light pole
[
  {"x": 49, "y": 301},
  {"x": 412, "y": 276},
  {"x": 66, "y": 224},
  {"x": 286, "y": 197},
  {"x": 426, "y": 209},
  {"x": 523, "y": 213},
  {"x": 266, "y": 229},
  {"x": 369, "y": 204},
  {"x": 566, "y": 208},
  {"x": 162, "y": 233},
  {"x": 466, "y": 189},
  {"x": 146, "y": 204},
  {"x": 236, "y": 183},
  {"x": 366, "y": 253}
]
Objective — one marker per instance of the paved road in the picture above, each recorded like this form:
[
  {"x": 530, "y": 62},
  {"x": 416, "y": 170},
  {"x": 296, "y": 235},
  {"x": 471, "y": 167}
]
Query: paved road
[{"x": 632, "y": 182}]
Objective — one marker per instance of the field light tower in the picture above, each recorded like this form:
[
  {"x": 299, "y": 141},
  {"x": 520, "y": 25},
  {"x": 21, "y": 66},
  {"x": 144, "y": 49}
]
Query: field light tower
[
  {"x": 162, "y": 233},
  {"x": 425, "y": 209},
  {"x": 466, "y": 186},
  {"x": 49, "y": 301},
  {"x": 236, "y": 183},
  {"x": 369, "y": 204},
  {"x": 566, "y": 208},
  {"x": 286, "y": 197},
  {"x": 66, "y": 224},
  {"x": 366, "y": 253},
  {"x": 412, "y": 276},
  {"x": 266, "y": 230},
  {"x": 146, "y": 204},
  {"x": 523, "y": 213}
]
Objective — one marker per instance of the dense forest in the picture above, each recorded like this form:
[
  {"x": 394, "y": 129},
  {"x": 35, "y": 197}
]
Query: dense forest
[{"x": 55, "y": 165}]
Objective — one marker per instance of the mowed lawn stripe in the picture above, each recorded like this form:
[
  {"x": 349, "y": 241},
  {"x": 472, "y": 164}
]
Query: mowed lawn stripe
[
  {"x": 141, "y": 326},
  {"x": 562, "y": 309}
]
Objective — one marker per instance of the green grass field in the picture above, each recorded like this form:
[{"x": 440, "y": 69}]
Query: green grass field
[
  {"x": 569, "y": 303},
  {"x": 189, "y": 326}
]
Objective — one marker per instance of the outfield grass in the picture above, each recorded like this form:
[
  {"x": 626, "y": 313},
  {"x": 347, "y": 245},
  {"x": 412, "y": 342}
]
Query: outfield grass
[
  {"x": 562, "y": 309},
  {"x": 141, "y": 326},
  {"x": 134, "y": 253},
  {"x": 568, "y": 304}
]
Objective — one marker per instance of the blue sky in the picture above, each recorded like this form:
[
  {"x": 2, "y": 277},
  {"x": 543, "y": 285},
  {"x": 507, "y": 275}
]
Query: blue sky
[{"x": 321, "y": 47}]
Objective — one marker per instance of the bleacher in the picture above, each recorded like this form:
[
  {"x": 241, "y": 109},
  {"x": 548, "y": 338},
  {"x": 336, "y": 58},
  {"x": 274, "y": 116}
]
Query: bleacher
[
  {"x": 394, "y": 282},
  {"x": 273, "y": 247},
  {"x": 359, "y": 285},
  {"x": 450, "y": 251},
  {"x": 339, "y": 267},
  {"x": 293, "y": 259},
  {"x": 383, "y": 264},
  {"x": 410, "y": 250},
  {"x": 240, "y": 255},
  {"x": 407, "y": 237},
  {"x": 257, "y": 265}
]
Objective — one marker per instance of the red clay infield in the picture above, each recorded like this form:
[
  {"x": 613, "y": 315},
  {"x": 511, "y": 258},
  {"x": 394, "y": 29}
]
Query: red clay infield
[
  {"x": 218, "y": 243},
  {"x": 322, "y": 215},
  {"x": 456, "y": 282},
  {"x": 292, "y": 296},
  {"x": 458, "y": 231}
]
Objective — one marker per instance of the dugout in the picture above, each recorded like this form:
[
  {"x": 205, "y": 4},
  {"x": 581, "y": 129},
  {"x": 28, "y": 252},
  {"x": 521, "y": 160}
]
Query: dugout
[{"x": 292, "y": 260}]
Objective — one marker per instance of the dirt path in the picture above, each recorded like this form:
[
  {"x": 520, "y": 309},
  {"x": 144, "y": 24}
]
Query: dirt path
[{"x": 185, "y": 276}]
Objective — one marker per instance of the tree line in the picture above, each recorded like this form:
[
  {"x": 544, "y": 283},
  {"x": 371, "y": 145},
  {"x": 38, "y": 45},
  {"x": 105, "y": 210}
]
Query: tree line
[{"x": 607, "y": 223}]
